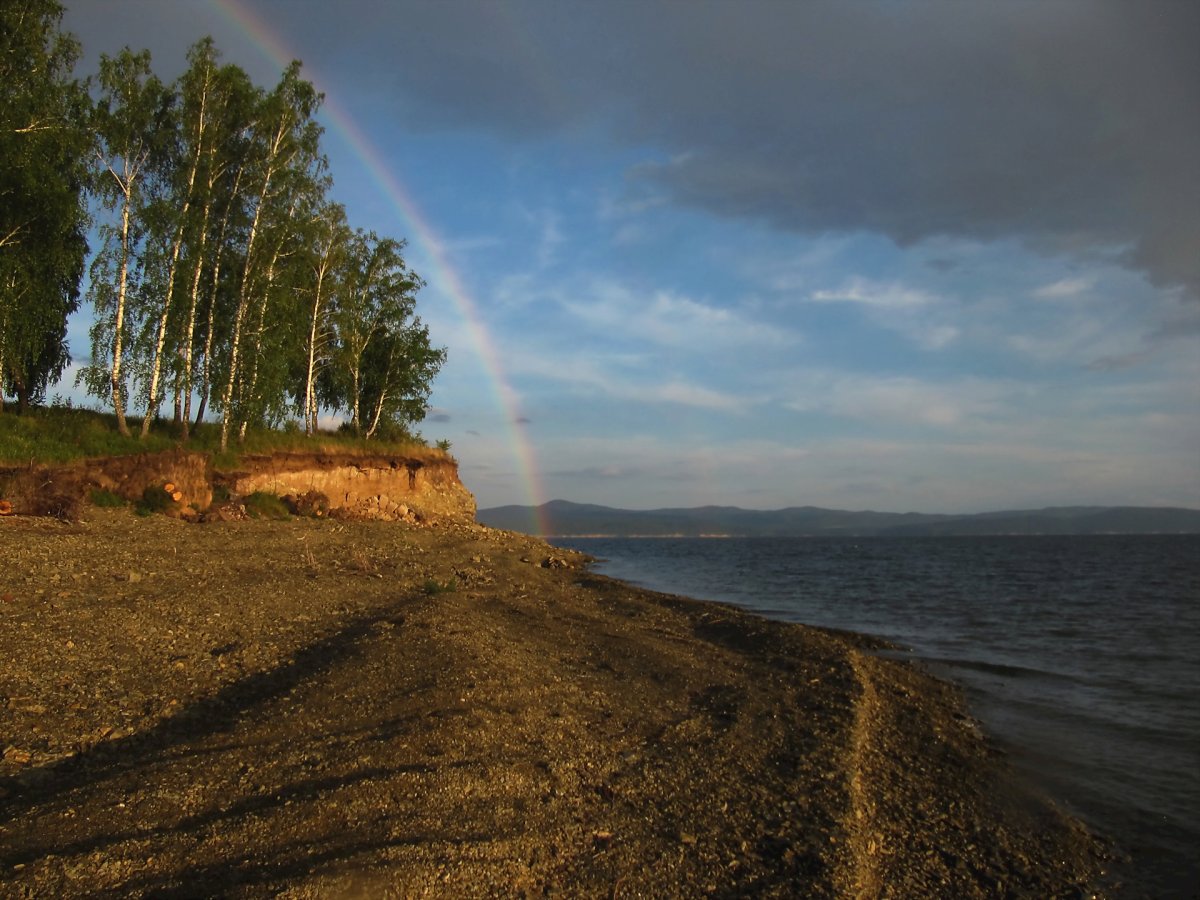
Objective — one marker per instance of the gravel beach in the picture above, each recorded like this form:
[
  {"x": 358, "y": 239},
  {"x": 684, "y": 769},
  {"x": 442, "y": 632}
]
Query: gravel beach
[{"x": 312, "y": 708}]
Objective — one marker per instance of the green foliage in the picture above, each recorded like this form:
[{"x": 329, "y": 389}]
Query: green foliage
[
  {"x": 433, "y": 587},
  {"x": 105, "y": 498},
  {"x": 311, "y": 504},
  {"x": 43, "y": 216},
  {"x": 224, "y": 271},
  {"x": 61, "y": 434},
  {"x": 134, "y": 133},
  {"x": 263, "y": 505},
  {"x": 382, "y": 364},
  {"x": 443, "y": 445},
  {"x": 155, "y": 499}
]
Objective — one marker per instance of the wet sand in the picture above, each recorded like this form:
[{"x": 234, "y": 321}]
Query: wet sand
[{"x": 329, "y": 709}]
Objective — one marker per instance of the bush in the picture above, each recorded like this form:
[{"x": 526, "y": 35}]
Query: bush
[
  {"x": 262, "y": 505},
  {"x": 105, "y": 498},
  {"x": 312, "y": 504},
  {"x": 433, "y": 586},
  {"x": 155, "y": 499}
]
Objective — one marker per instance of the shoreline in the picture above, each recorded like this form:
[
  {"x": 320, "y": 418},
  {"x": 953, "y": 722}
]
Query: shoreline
[{"x": 463, "y": 711}]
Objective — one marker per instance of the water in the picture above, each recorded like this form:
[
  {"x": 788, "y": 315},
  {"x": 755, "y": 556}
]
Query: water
[{"x": 1081, "y": 655}]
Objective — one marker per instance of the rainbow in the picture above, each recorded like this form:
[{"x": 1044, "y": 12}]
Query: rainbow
[{"x": 442, "y": 273}]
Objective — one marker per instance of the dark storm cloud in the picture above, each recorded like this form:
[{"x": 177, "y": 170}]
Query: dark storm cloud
[{"x": 1072, "y": 126}]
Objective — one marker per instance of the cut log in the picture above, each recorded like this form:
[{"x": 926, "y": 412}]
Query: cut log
[
  {"x": 169, "y": 487},
  {"x": 5, "y": 508},
  {"x": 176, "y": 495}
]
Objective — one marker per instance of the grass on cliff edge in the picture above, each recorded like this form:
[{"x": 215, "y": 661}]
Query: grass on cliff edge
[{"x": 61, "y": 434}]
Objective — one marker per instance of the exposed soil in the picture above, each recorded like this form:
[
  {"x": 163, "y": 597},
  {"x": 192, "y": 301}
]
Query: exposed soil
[{"x": 326, "y": 709}]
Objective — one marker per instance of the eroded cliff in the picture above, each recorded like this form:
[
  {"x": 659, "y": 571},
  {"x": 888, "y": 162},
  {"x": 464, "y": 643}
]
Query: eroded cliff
[
  {"x": 369, "y": 487},
  {"x": 420, "y": 486}
]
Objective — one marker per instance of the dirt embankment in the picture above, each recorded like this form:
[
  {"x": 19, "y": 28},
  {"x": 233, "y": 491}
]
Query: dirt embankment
[
  {"x": 329, "y": 709},
  {"x": 418, "y": 486}
]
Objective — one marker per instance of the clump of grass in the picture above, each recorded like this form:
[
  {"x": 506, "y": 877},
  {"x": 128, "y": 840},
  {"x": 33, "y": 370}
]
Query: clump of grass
[
  {"x": 105, "y": 498},
  {"x": 155, "y": 499},
  {"x": 433, "y": 586},
  {"x": 263, "y": 505},
  {"x": 362, "y": 563}
]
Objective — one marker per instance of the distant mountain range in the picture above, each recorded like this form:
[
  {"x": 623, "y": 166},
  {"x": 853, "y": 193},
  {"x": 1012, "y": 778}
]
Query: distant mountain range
[{"x": 562, "y": 518}]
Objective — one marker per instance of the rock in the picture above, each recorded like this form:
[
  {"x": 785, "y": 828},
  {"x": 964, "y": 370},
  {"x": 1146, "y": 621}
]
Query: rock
[
  {"x": 17, "y": 757},
  {"x": 311, "y": 503}
]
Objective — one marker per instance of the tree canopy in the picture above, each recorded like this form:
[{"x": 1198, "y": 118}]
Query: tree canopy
[
  {"x": 43, "y": 214},
  {"x": 225, "y": 277}
]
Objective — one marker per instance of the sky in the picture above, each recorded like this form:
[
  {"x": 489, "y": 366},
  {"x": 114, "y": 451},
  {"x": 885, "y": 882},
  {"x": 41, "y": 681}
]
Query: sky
[{"x": 933, "y": 257}]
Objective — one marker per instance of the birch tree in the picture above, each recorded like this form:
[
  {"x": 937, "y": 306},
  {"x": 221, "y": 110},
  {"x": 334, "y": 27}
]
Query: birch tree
[
  {"x": 331, "y": 236},
  {"x": 398, "y": 374},
  {"x": 383, "y": 362},
  {"x": 285, "y": 140},
  {"x": 198, "y": 126},
  {"x": 226, "y": 96},
  {"x": 131, "y": 123}
]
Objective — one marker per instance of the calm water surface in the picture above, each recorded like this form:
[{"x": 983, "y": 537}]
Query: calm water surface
[{"x": 1080, "y": 654}]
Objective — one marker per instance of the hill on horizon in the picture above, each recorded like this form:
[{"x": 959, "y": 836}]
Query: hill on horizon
[{"x": 563, "y": 518}]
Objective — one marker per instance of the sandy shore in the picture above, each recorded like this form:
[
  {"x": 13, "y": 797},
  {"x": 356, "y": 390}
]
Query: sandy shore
[{"x": 320, "y": 709}]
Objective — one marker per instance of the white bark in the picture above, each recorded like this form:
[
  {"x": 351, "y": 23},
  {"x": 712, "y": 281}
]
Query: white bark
[
  {"x": 119, "y": 318},
  {"x": 310, "y": 411},
  {"x": 274, "y": 163},
  {"x": 160, "y": 341}
]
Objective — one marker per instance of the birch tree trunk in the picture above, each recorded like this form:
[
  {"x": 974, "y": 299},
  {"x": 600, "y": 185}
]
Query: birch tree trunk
[
  {"x": 118, "y": 399},
  {"x": 236, "y": 338},
  {"x": 206, "y": 358},
  {"x": 273, "y": 163},
  {"x": 160, "y": 341},
  {"x": 183, "y": 390},
  {"x": 310, "y": 372}
]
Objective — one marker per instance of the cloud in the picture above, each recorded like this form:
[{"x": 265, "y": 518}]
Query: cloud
[
  {"x": 1118, "y": 363},
  {"x": 1064, "y": 288},
  {"x": 1070, "y": 126},
  {"x": 670, "y": 319},
  {"x": 918, "y": 315},
  {"x": 901, "y": 399},
  {"x": 886, "y": 296},
  {"x": 695, "y": 395},
  {"x": 625, "y": 379}
]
